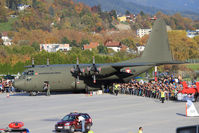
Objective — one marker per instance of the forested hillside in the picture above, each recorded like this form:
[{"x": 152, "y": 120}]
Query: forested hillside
[
  {"x": 188, "y": 8},
  {"x": 121, "y": 6},
  {"x": 66, "y": 21},
  {"x": 177, "y": 5}
]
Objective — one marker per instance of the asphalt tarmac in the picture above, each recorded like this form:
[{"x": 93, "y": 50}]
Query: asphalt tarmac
[{"x": 110, "y": 114}]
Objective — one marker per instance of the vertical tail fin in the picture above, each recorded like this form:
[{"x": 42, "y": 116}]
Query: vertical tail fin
[{"x": 157, "y": 48}]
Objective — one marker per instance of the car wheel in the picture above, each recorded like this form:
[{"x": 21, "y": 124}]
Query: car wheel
[
  {"x": 88, "y": 127},
  {"x": 72, "y": 129}
]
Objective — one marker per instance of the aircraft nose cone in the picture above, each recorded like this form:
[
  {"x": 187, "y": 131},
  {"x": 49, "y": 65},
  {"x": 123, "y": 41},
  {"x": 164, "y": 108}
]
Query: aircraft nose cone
[{"x": 18, "y": 84}]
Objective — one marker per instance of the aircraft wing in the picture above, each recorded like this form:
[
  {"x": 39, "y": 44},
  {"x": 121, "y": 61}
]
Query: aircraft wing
[
  {"x": 121, "y": 65},
  {"x": 116, "y": 65}
]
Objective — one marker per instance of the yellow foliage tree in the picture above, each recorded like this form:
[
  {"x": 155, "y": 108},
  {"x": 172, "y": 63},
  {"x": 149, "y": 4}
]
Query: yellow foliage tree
[
  {"x": 196, "y": 38},
  {"x": 181, "y": 46}
]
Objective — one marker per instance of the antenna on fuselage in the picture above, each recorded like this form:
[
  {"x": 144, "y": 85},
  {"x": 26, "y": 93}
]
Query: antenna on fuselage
[
  {"x": 48, "y": 62},
  {"x": 33, "y": 62}
]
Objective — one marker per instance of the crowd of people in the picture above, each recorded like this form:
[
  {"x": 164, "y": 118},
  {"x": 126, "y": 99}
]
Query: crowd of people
[
  {"x": 152, "y": 89},
  {"x": 6, "y": 86},
  {"x": 167, "y": 86}
]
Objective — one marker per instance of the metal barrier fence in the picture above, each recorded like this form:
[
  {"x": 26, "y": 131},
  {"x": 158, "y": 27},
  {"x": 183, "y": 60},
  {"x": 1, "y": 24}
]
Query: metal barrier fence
[{"x": 193, "y": 60}]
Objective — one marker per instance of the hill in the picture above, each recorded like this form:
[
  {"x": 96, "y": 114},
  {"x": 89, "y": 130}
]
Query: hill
[
  {"x": 175, "y": 5},
  {"x": 70, "y": 22},
  {"x": 121, "y": 6},
  {"x": 50, "y": 14}
]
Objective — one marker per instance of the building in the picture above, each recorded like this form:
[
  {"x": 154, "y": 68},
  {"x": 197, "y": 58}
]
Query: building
[
  {"x": 22, "y": 7},
  {"x": 91, "y": 46},
  {"x": 131, "y": 18},
  {"x": 122, "y": 19},
  {"x": 115, "y": 46},
  {"x": 142, "y": 32},
  {"x": 153, "y": 18},
  {"x": 55, "y": 47},
  {"x": 140, "y": 49},
  {"x": 6, "y": 40},
  {"x": 192, "y": 34}
]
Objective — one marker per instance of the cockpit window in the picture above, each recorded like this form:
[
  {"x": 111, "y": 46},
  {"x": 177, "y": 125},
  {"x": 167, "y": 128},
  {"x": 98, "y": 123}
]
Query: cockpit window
[{"x": 30, "y": 72}]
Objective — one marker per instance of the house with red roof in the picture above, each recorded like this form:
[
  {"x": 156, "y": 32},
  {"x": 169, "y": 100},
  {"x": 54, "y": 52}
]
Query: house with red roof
[
  {"x": 115, "y": 45},
  {"x": 91, "y": 46}
]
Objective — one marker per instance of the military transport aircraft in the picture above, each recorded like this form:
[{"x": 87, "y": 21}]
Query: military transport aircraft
[{"x": 78, "y": 77}]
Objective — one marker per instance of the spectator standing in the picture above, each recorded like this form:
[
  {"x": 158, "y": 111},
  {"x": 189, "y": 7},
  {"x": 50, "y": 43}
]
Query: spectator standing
[
  {"x": 116, "y": 89},
  {"x": 90, "y": 131},
  {"x": 82, "y": 120},
  {"x": 162, "y": 96},
  {"x": 47, "y": 88},
  {"x": 140, "y": 130}
]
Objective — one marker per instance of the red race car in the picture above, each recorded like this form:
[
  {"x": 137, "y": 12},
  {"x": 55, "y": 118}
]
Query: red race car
[{"x": 15, "y": 127}]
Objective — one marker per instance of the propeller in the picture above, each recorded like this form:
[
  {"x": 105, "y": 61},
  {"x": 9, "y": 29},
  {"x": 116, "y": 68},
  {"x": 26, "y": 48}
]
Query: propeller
[
  {"x": 94, "y": 70},
  {"x": 77, "y": 71},
  {"x": 33, "y": 62}
]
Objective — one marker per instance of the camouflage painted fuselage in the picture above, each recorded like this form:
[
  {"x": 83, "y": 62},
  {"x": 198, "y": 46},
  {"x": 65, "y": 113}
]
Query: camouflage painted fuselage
[{"x": 60, "y": 77}]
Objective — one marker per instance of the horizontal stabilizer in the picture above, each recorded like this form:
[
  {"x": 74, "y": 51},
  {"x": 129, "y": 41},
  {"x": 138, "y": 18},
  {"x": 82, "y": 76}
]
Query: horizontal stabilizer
[
  {"x": 121, "y": 65},
  {"x": 170, "y": 62}
]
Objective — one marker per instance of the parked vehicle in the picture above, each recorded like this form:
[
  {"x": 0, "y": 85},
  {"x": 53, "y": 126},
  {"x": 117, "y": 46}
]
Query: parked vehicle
[{"x": 69, "y": 123}]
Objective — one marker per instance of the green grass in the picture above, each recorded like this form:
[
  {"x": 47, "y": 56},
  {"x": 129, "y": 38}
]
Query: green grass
[
  {"x": 193, "y": 66},
  {"x": 8, "y": 25},
  {"x": 124, "y": 23}
]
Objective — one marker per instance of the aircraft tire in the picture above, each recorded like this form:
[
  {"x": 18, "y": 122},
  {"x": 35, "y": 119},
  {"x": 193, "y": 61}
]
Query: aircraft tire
[{"x": 33, "y": 93}]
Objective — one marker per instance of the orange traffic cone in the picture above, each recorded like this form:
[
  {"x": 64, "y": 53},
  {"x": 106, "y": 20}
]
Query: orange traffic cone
[{"x": 91, "y": 93}]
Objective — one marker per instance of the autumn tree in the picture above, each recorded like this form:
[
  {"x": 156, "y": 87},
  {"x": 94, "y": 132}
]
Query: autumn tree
[
  {"x": 102, "y": 49},
  {"x": 183, "y": 47},
  {"x": 129, "y": 42},
  {"x": 142, "y": 13},
  {"x": 96, "y": 9},
  {"x": 127, "y": 12},
  {"x": 84, "y": 42},
  {"x": 36, "y": 46},
  {"x": 113, "y": 13},
  {"x": 196, "y": 38},
  {"x": 3, "y": 11},
  {"x": 144, "y": 39},
  {"x": 35, "y": 3},
  {"x": 51, "y": 11},
  {"x": 1, "y": 41},
  {"x": 74, "y": 43}
]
